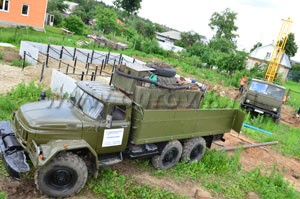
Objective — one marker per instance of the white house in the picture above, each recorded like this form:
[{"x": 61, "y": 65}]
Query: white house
[
  {"x": 70, "y": 8},
  {"x": 262, "y": 55}
]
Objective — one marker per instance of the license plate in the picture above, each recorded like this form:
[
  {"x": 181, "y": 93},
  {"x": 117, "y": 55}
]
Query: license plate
[{"x": 258, "y": 111}]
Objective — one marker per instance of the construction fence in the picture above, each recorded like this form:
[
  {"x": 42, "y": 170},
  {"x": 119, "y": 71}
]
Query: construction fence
[{"x": 83, "y": 63}]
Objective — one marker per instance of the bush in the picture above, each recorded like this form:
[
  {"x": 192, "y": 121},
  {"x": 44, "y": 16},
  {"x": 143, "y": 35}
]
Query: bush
[
  {"x": 146, "y": 45},
  {"x": 19, "y": 95},
  {"x": 19, "y": 63},
  {"x": 74, "y": 24},
  {"x": 1, "y": 55},
  {"x": 58, "y": 17}
]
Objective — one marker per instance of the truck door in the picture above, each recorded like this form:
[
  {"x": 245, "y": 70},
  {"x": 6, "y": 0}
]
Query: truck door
[{"x": 115, "y": 138}]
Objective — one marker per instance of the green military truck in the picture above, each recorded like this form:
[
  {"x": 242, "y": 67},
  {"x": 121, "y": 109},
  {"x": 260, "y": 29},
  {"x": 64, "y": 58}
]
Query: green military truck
[
  {"x": 99, "y": 125},
  {"x": 264, "y": 98}
]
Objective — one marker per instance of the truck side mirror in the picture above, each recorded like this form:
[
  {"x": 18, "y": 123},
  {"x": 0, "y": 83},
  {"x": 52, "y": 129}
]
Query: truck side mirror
[{"x": 108, "y": 122}]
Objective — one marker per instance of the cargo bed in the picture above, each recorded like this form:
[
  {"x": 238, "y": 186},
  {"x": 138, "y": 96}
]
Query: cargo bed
[{"x": 150, "y": 126}]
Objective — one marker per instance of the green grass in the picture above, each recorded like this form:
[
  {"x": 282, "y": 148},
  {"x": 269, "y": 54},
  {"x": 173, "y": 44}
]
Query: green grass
[
  {"x": 3, "y": 195},
  {"x": 287, "y": 136},
  {"x": 19, "y": 95},
  {"x": 213, "y": 100},
  {"x": 52, "y": 35},
  {"x": 294, "y": 100},
  {"x": 112, "y": 185},
  {"x": 224, "y": 176}
]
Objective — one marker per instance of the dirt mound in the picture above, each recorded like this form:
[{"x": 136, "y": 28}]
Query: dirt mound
[
  {"x": 288, "y": 116},
  {"x": 10, "y": 54},
  {"x": 185, "y": 188},
  {"x": 12, "y": 76},
  {"x": 267, "y": 158}
]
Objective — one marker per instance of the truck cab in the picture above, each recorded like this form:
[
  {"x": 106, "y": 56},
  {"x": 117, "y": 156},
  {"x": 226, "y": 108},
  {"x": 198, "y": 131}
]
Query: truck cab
[{"x": 264, "y": 98}]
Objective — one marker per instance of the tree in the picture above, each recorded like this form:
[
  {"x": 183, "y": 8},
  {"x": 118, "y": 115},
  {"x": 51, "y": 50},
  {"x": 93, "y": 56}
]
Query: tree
[
  {"x": 106, "y": 20},
  {"x": 74, "y": 24},
  {"x": 224, "y": 25},
  {"x": 233, "y": 61},
  {"x": 130, "y": 6},
  {"x": 257, "y": 45},
  {"x": 56, "y": 8},
  {"x": 222, "y": 44},
  {"x": 188, "y": 39},
  {"x": 54, "y": 5},
  {"x": 291, "y": 46},
  {"x": 86, "y": 9},
  {"x": 143, "y": 27}
]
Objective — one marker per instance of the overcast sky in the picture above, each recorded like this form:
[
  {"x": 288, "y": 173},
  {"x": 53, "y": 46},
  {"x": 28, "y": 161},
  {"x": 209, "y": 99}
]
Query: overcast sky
[{"x": 257, "y": 20}]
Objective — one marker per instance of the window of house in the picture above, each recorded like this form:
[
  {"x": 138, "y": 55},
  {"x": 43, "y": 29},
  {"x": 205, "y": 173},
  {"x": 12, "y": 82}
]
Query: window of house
[
  {"x": 268, "y": 55},
  {"x": 4, "y": 5},
  {"x": 25, "y": 10}
]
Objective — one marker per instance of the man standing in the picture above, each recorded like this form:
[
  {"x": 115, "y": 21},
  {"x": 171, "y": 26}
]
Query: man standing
[{"x": 242, "y": 83}]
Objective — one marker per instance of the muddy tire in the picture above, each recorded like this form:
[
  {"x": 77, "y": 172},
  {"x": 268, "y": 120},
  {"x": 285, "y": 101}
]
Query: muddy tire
[
  {"x": 162, "y": 71},
  {"x": 169, "y": 156},
  {"x": 63, "y": 176},
  {"x": 193, "y": 149}
]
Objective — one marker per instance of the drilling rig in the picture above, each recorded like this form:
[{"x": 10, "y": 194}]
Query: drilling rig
[{"x": 278, "y": 51}]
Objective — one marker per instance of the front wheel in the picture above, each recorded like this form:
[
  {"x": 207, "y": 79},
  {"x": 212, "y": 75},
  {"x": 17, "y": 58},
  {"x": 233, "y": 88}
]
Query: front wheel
[{"x": 63, "y": 176}]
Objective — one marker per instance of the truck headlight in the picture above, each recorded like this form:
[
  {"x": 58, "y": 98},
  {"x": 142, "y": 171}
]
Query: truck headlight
[
  {"x": 275, "y": 109},
  {"x": 247, "y": 101}
]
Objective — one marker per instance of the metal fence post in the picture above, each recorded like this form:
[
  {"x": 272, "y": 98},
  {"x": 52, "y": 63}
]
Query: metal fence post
[
  {"x": 47, "y": 59},
  {"x": 42, "y": 71},
  {"x": 87, "y": 68},
  {"x": 87, "y": 60},
  {"x": 108, "y": 55},
  {"x": 96, "y": 70},
  {"x": 120, "y": 58},
  {"x": 61, "y": 52},
  {"x": 59, "y": 65},
  {"x": 67, "y": 70},
  {"x": 92, "y": 76},
  {"x": 92, "y": 57},
  {"x": 75, "y": 62},
  {"x": 82, "y": 76},
  {"x": 101, "y": 66},
  {"x": 48, "y": 48},
  {"x": 74, "y": 54},
  {"x": 24, "y": 60}
]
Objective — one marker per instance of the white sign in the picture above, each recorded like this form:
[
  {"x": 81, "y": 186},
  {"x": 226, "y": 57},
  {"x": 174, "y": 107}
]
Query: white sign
[{"x": 112, "y": 137}]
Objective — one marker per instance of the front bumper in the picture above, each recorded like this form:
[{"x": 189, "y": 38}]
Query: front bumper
[
  {"x": 260, "y": 110},
  {"x": 13, "y": 154}
]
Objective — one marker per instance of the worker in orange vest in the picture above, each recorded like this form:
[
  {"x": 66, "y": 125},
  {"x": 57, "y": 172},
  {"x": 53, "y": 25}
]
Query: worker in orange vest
[{"x": 243, "y": 83}]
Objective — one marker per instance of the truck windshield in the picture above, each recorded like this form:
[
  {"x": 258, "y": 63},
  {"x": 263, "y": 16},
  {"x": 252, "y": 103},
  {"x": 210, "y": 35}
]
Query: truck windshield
[
  {"x": 270, "y": 90},
  {"x": 88, "y": 104}
]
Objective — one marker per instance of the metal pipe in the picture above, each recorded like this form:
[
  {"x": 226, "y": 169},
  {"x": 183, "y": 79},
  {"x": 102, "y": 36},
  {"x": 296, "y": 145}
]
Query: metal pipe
[
  {"x": 245, "y": 146},
  {"x": 257, "y": 129}
]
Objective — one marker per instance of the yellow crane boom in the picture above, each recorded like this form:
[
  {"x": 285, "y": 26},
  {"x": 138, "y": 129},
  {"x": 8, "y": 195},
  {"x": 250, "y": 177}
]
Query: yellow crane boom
[{"x": 278, "y": 50}]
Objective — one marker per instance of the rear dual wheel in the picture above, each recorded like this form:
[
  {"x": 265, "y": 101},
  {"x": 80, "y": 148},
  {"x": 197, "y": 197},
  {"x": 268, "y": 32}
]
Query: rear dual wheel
[
  {"x": 192, "y": 150},
  {"x": 169, "y": 156}
]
